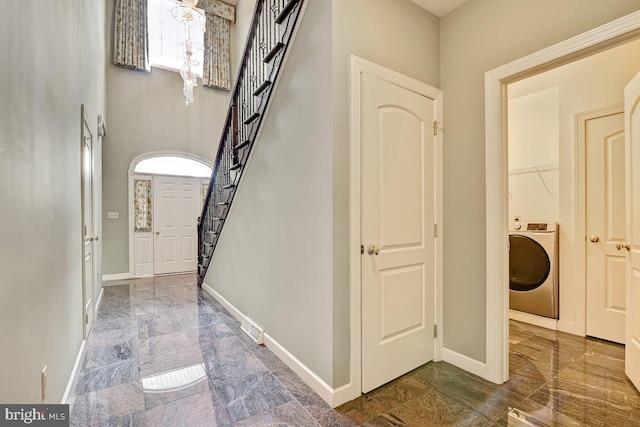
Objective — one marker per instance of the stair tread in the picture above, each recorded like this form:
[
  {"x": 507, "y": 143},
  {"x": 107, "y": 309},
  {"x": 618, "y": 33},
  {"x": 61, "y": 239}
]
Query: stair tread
[
  {"x": 251, "y": 118},
  {"x": 273, "y": 52},
  {"x": 243, "y": 144},
  {"x": 286, "y": 10},
  {"x": 235, "y": 166},
  {"x": 228, "y": 186},
  {"x": 262, "y": 88},
  {"x": 223, "y": 203}
]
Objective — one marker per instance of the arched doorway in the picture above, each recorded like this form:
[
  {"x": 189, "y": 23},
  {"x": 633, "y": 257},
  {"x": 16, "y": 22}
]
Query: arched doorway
[{"x": 166, "y": 192}]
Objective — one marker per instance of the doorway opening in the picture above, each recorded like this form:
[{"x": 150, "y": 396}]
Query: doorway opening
[
  {"x": 166, "y": 192},
  {"x": 498, "y": 82}
]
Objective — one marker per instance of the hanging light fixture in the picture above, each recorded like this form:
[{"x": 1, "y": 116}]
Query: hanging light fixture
[{"x": 193, "y": 20}]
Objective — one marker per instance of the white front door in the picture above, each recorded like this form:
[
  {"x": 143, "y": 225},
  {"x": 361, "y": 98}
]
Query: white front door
[
  {"x": 176, "y": 206},
  {"x": 88, "y": 237},
  {"x": 398, "y": 204},
  {"x": 605, "y": 214},
  {"x": 632, "y": 244}
]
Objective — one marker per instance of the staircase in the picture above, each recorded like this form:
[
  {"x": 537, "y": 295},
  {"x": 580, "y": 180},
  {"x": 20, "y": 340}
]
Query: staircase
[{"x": 269, "y": 37}]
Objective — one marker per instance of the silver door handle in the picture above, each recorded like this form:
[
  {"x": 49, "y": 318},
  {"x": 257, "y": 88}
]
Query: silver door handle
[
  {"x": 594, "y": 238},
  {"x": 94, "y": 238},
  {"x": 157, "y": 233},
  {"x": 373, "y": 249},
  {"x": 620, "y": 245}
]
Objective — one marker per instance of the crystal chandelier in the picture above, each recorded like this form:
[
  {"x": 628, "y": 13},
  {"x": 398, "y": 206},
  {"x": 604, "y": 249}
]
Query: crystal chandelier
[{"x": 193, "y": 20}]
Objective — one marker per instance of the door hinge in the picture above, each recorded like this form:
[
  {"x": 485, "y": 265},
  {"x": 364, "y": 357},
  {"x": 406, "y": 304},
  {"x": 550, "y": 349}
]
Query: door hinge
[
  {"x": 435, "y": 331},
  {"x": 436, "y": 127},
  {"x": 361, "y": 249},
  {"x": 86, "y": 318},
  {"x": 435, "y": 230}
]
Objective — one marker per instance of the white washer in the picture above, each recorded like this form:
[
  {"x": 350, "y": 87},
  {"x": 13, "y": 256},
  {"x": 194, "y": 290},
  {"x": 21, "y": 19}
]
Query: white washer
[{"x": 533, "y": 268}]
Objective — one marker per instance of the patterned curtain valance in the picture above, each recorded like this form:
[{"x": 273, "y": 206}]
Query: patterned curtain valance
[
  {"x": 218, "y": 8},
  {"x": 131, "y": 39},
  {"x": 217, "y": 50}
]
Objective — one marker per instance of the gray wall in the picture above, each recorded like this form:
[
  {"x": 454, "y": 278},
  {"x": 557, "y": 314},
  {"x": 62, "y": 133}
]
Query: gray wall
[
  {"x": 53, "y": 62},
  {"x": 281, "y": 260},
  {"x": 477, "y": 37},
  {"x": 395, "y": 34},
  {"x": 273, "y": 261},
  {"x": 147, "y": 113}
]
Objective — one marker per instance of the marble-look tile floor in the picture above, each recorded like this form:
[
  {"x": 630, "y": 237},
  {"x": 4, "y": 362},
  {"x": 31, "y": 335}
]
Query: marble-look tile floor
[
  {"x": 163, "y": 353},
  {"x": 556, "y": 379}
]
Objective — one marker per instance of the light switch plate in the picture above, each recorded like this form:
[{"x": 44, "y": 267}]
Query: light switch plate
[{"x": 113, "y": 215}]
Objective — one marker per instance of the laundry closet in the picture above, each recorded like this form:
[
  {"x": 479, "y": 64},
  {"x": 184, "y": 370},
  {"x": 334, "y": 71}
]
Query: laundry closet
[{"x": 567, "y": 195}]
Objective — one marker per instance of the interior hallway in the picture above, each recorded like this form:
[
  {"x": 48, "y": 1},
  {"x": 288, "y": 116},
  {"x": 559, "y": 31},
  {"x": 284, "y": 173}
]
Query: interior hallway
[{"x": 163, "y": 353}]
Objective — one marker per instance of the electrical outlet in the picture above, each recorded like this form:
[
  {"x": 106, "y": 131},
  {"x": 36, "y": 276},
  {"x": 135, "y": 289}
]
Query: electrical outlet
[
  {"x": 43, "y": 382},
  {"x": 113, "y": 215}
]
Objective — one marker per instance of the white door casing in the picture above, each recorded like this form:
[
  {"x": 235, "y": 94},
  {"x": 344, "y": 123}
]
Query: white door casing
[
  {"x": 605, "y": 226},
  {"x": 88, "y": 237},
  {"x": 496, "y": 367},
  {"x": 632, "y": 244},
  {"x": 398, "y": 216},
  {"x": 176, "y": 206}
]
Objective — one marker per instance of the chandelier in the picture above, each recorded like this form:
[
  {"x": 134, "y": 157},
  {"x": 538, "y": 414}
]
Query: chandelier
[{"x": 193, "y": 20}]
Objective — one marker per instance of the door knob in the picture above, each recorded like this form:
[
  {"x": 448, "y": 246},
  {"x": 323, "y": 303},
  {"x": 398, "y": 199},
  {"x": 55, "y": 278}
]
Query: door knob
[
  {"x": 625, "y": 245},
  {"x": 373, "y": 249},
  {"x": 157, "y": 233},
  {"x": 594, "y": 238}
]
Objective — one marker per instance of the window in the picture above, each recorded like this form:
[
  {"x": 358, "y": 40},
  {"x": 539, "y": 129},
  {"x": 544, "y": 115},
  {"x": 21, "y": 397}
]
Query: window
[
  {"x": 164, "y": 35},
  {"x": 173, "y": 165}
]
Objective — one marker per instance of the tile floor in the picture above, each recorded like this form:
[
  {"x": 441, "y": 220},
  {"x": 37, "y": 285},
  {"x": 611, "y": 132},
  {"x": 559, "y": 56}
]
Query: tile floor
[{"x": 163, "y": 353}]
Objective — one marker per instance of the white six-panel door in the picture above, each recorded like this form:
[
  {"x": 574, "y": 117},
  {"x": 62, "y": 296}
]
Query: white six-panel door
[
  {"x": 632, "y": 245},
  {"x": 605, "y": 215},
  {"x": 397, "y": 214},
  {"x": 176, "y": 206}
]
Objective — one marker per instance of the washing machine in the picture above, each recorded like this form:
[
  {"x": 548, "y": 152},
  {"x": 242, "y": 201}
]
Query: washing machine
[{"x": 533, "y": 268}]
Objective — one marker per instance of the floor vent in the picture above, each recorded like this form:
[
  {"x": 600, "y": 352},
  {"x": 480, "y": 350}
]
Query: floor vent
[{"x": 254, "y": 331}]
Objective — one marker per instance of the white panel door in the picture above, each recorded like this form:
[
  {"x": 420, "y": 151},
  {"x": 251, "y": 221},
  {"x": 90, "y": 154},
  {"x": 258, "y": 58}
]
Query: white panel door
[
  {"x": 176, "y": 206},
  {"x": 397, "y": 221},
  {"x": 88, "y": 237},
  {"x": 605, "y": 214},
  {"x": 632, "y": 245}
]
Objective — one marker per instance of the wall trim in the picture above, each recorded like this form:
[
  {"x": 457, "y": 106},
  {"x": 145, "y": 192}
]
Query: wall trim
[
  {"x": 119, "y": 276},
  {"x": 333, "y": 397},
  {"x": 72, "y": 376},
  {"x": 99, "y": 301},
  {"x": 496, "y": 164},
  {"x": 532, "y": 319},
  {"x": 464, "y": 362}
]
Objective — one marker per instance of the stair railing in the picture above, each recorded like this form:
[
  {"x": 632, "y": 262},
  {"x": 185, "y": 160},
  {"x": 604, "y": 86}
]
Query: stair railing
[{"x": 269, "y": 37}]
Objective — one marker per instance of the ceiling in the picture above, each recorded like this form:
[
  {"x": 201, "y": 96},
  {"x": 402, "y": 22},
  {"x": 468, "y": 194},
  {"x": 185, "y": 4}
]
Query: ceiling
[{"x": 439, "y": 7}]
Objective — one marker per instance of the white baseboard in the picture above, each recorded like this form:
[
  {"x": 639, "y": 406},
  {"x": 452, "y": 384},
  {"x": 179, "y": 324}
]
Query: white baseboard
[
  {"x": 465, "y": 362},
  {"x": 120, "y": 276},
  {"x": 333, "y": 397},
  {"x": 532, "y": 319},
  {"x": 98, "y": 302},
  {"x": 223, "y": 302},
  {"x": 79, "y": 357}
]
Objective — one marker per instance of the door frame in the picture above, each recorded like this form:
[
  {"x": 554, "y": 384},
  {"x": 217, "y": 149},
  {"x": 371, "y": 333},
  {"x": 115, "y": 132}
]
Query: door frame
[
  {"x": 580, "y": 242},
  {"x": 130, "y": 181},
  {"x": 496, "y": 169},
  {"x": 358, "y": 67},
  {"x": 86, "y": 132}
]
